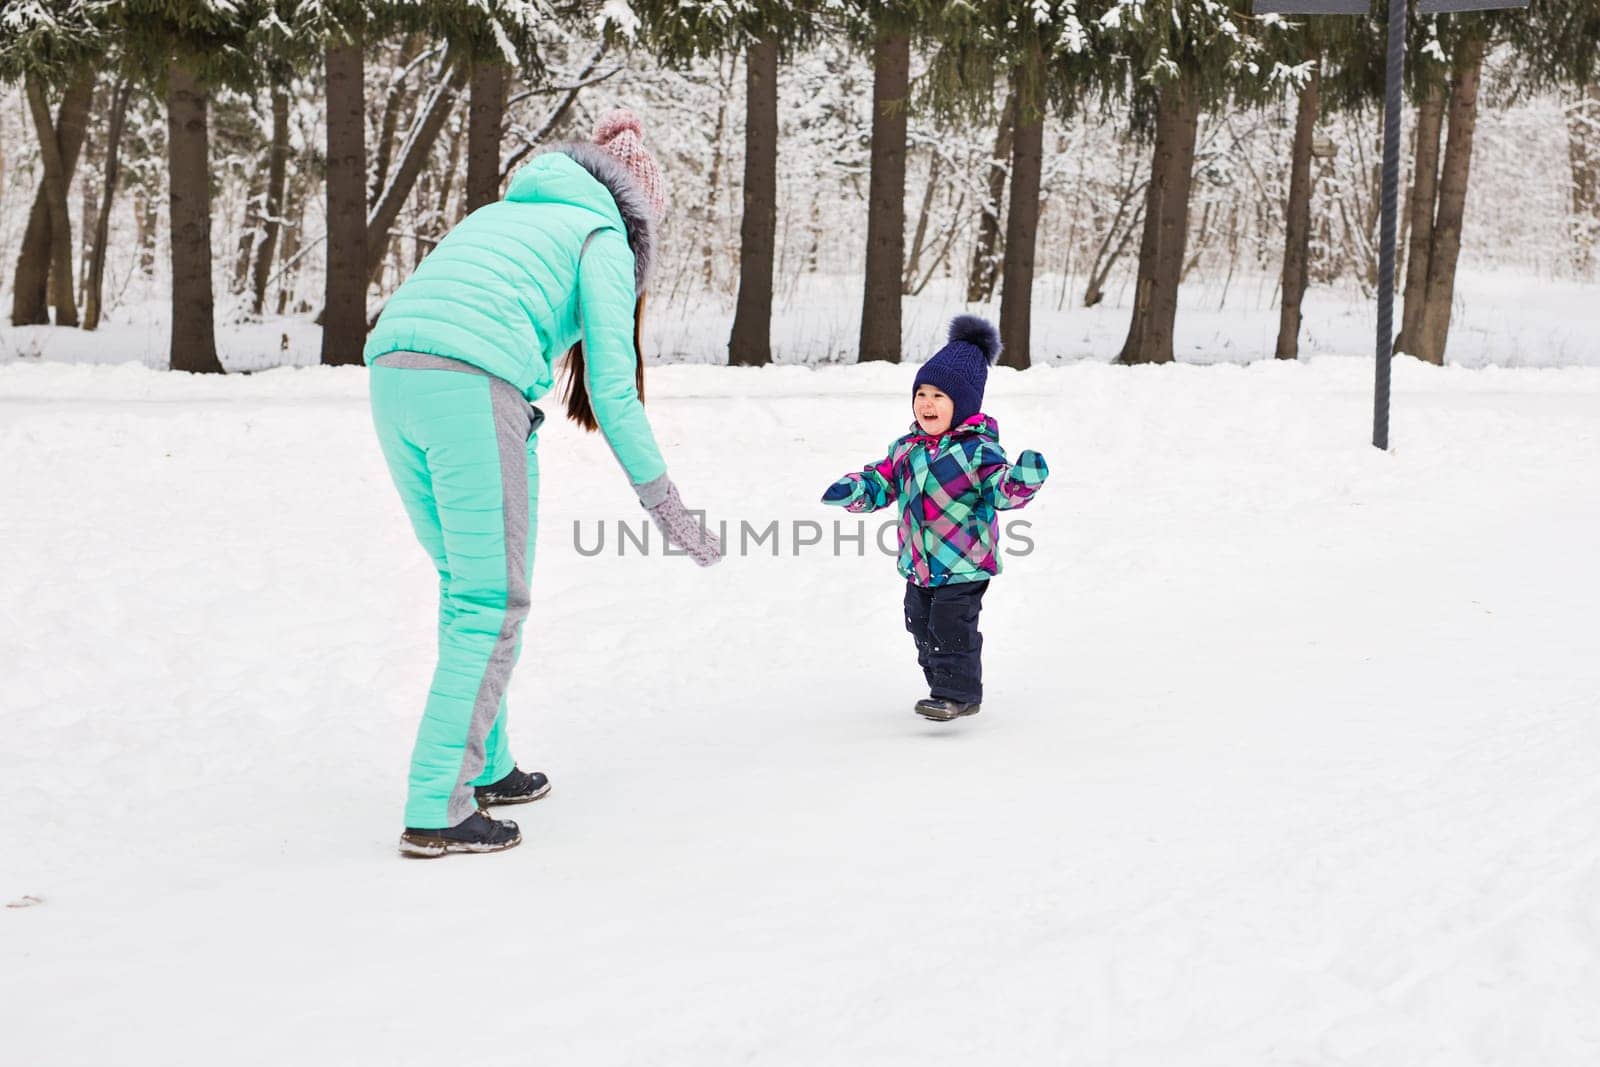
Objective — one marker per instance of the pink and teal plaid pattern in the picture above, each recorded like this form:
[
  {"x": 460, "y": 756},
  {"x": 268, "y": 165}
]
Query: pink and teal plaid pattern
[{"x": 949, "y": 488}]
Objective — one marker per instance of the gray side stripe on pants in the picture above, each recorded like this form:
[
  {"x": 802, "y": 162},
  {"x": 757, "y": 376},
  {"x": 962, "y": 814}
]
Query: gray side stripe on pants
[
  {"x": 402, "y": 360},
  {"x": 514, "y": 421}
]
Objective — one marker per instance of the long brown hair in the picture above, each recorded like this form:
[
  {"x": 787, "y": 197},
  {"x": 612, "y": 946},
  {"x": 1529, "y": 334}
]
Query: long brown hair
[{"x": 576, "y": 390}]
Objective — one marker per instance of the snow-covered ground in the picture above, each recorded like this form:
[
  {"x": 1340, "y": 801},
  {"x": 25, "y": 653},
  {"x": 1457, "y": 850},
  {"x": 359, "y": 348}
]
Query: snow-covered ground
[{"x": 1289, "y": 754}]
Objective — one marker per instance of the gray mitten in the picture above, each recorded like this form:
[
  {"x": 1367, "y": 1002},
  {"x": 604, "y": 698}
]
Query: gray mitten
[{"x": 676, "y": 523}]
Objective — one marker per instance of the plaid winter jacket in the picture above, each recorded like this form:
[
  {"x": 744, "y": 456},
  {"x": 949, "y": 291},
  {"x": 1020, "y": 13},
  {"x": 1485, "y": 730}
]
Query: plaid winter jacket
[{"x": 949, "y": 488}]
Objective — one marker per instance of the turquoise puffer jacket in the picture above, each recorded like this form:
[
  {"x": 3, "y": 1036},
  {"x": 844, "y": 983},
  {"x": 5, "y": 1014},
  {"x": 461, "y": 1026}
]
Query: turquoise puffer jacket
[{"x": 518, "y": 282}]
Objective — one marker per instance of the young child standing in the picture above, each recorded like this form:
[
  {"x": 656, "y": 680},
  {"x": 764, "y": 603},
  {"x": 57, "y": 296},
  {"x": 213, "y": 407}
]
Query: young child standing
[{"x": 950, "y": 477}]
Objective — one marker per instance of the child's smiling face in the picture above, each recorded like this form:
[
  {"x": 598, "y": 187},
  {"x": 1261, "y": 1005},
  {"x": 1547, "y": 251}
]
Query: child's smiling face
[{"x": 933, "y": 410}]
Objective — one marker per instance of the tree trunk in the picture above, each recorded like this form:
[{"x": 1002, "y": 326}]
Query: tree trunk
[
  {"x": 277, "y": 177},
  {"x": 485, "y": 114},
  {"x": 558, "y": 114},
  {"x": 1583, "y": 150},
  {"x": 344, "y": 309},
  {"x": 750, "y": 343},
  {"x": 1022, "y": 221},
  {"x": 147, "y": 218},
  {"x": 708, "y": 251},
  {"x": 394, "y": 103},
  {"x": 194, "y": 340},
  {"x": 1131, "y": 193},
  {"x": 88, "y": 202},
  {"x": 1424, "y": 199},
  {"x": 1166, "y": 226},
  {"x": 250, "y": 235},
  {"x": 919, "y": 240},
  {"x": 985, "y": 270},
  {"x": 1202, "y": 238},
  {"x": 915, "y": 285},
  {"x": 97, "y": 255},
  {"x": 1106, "y": 258},
  {"x": 418, "y": 148},
  {"x": 1297, "y": 239},
  {"x": 431, "y": 230},
  {"x": 55, "y": 189},
  {"x": 886, "y": 201},
  {"x": 30, "y": 293},
  {"x": 1453, "y": 176},
  {"x": 294, "y": 214}
]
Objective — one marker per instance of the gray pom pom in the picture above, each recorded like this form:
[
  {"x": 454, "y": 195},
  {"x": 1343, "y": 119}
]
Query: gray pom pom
[{"x": 979, "y": 332}]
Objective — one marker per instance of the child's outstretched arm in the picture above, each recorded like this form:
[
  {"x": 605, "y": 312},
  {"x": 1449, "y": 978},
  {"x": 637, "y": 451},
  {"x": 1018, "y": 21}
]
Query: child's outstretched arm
[
  {"x": 869, "y": 489},
  {"x": 1010, "y": 485}
]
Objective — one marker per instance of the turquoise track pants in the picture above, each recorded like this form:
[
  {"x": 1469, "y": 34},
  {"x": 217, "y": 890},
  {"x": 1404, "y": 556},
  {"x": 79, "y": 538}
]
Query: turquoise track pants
[{"x": 461, "y": 448}]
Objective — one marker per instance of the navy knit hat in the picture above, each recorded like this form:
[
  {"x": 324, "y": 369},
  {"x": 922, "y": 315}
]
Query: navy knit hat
[{"x": 960, "y": 369}]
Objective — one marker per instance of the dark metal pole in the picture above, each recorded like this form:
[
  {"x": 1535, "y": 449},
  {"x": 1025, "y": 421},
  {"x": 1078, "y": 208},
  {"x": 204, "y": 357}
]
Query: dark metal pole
[{"x": 1394, "y": 90}]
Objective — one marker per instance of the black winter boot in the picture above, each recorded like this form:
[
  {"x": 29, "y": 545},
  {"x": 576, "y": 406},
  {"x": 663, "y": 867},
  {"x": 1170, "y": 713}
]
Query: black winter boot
[
  {"x": 476, "y": 833},
  {"x": 518, "y": 787},
  {"x": 941, "y": 710}
]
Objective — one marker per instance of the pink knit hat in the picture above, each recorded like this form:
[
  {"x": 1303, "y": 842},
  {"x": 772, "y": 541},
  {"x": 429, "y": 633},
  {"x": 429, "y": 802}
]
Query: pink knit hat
[{"x": 619, "y": 133}]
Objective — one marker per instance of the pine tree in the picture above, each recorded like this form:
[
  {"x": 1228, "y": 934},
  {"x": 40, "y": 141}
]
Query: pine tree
[
  {"x": 1554, "y": 45},
  {"x": 886, "y": 29},
  {"x": 293, "y": 36},
  {"x": 890, "y": 31},
  {"x": 1044, "y": 51},
  {"x": 484, "y": 44},
  {"x": 121, "y": 97},
  {"x": 765, "y": 31},
  {"x": 283, "y": 57},
  {"x": 984, "y": 273},
  {"x": 492, "y": 43},
  {"x": 52, "y": 46},
  {"x": 1183, "y": 57},
  {"x": 343, "y": 29},
  {"x": 1450, "y": 215},
  {"x": 1557, "y": 46},
  {"x": 1333, "y": 64},
  {"x": 185, "y": 49}
]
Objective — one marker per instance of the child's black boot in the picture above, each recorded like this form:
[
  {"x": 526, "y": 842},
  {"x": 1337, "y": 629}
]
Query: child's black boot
[{"x": 941, "y": 710}]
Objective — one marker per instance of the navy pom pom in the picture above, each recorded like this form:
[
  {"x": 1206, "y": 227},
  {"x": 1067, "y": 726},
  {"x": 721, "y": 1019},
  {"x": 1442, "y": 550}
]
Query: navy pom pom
[{"x": 979, "y": 332}]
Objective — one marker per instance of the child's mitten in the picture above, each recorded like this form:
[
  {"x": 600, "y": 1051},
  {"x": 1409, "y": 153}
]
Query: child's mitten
[
  {"x": 845, "y": 491},
  {"x": 1012, "y": 485},
  {"x": 1030, "y": 469}
]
